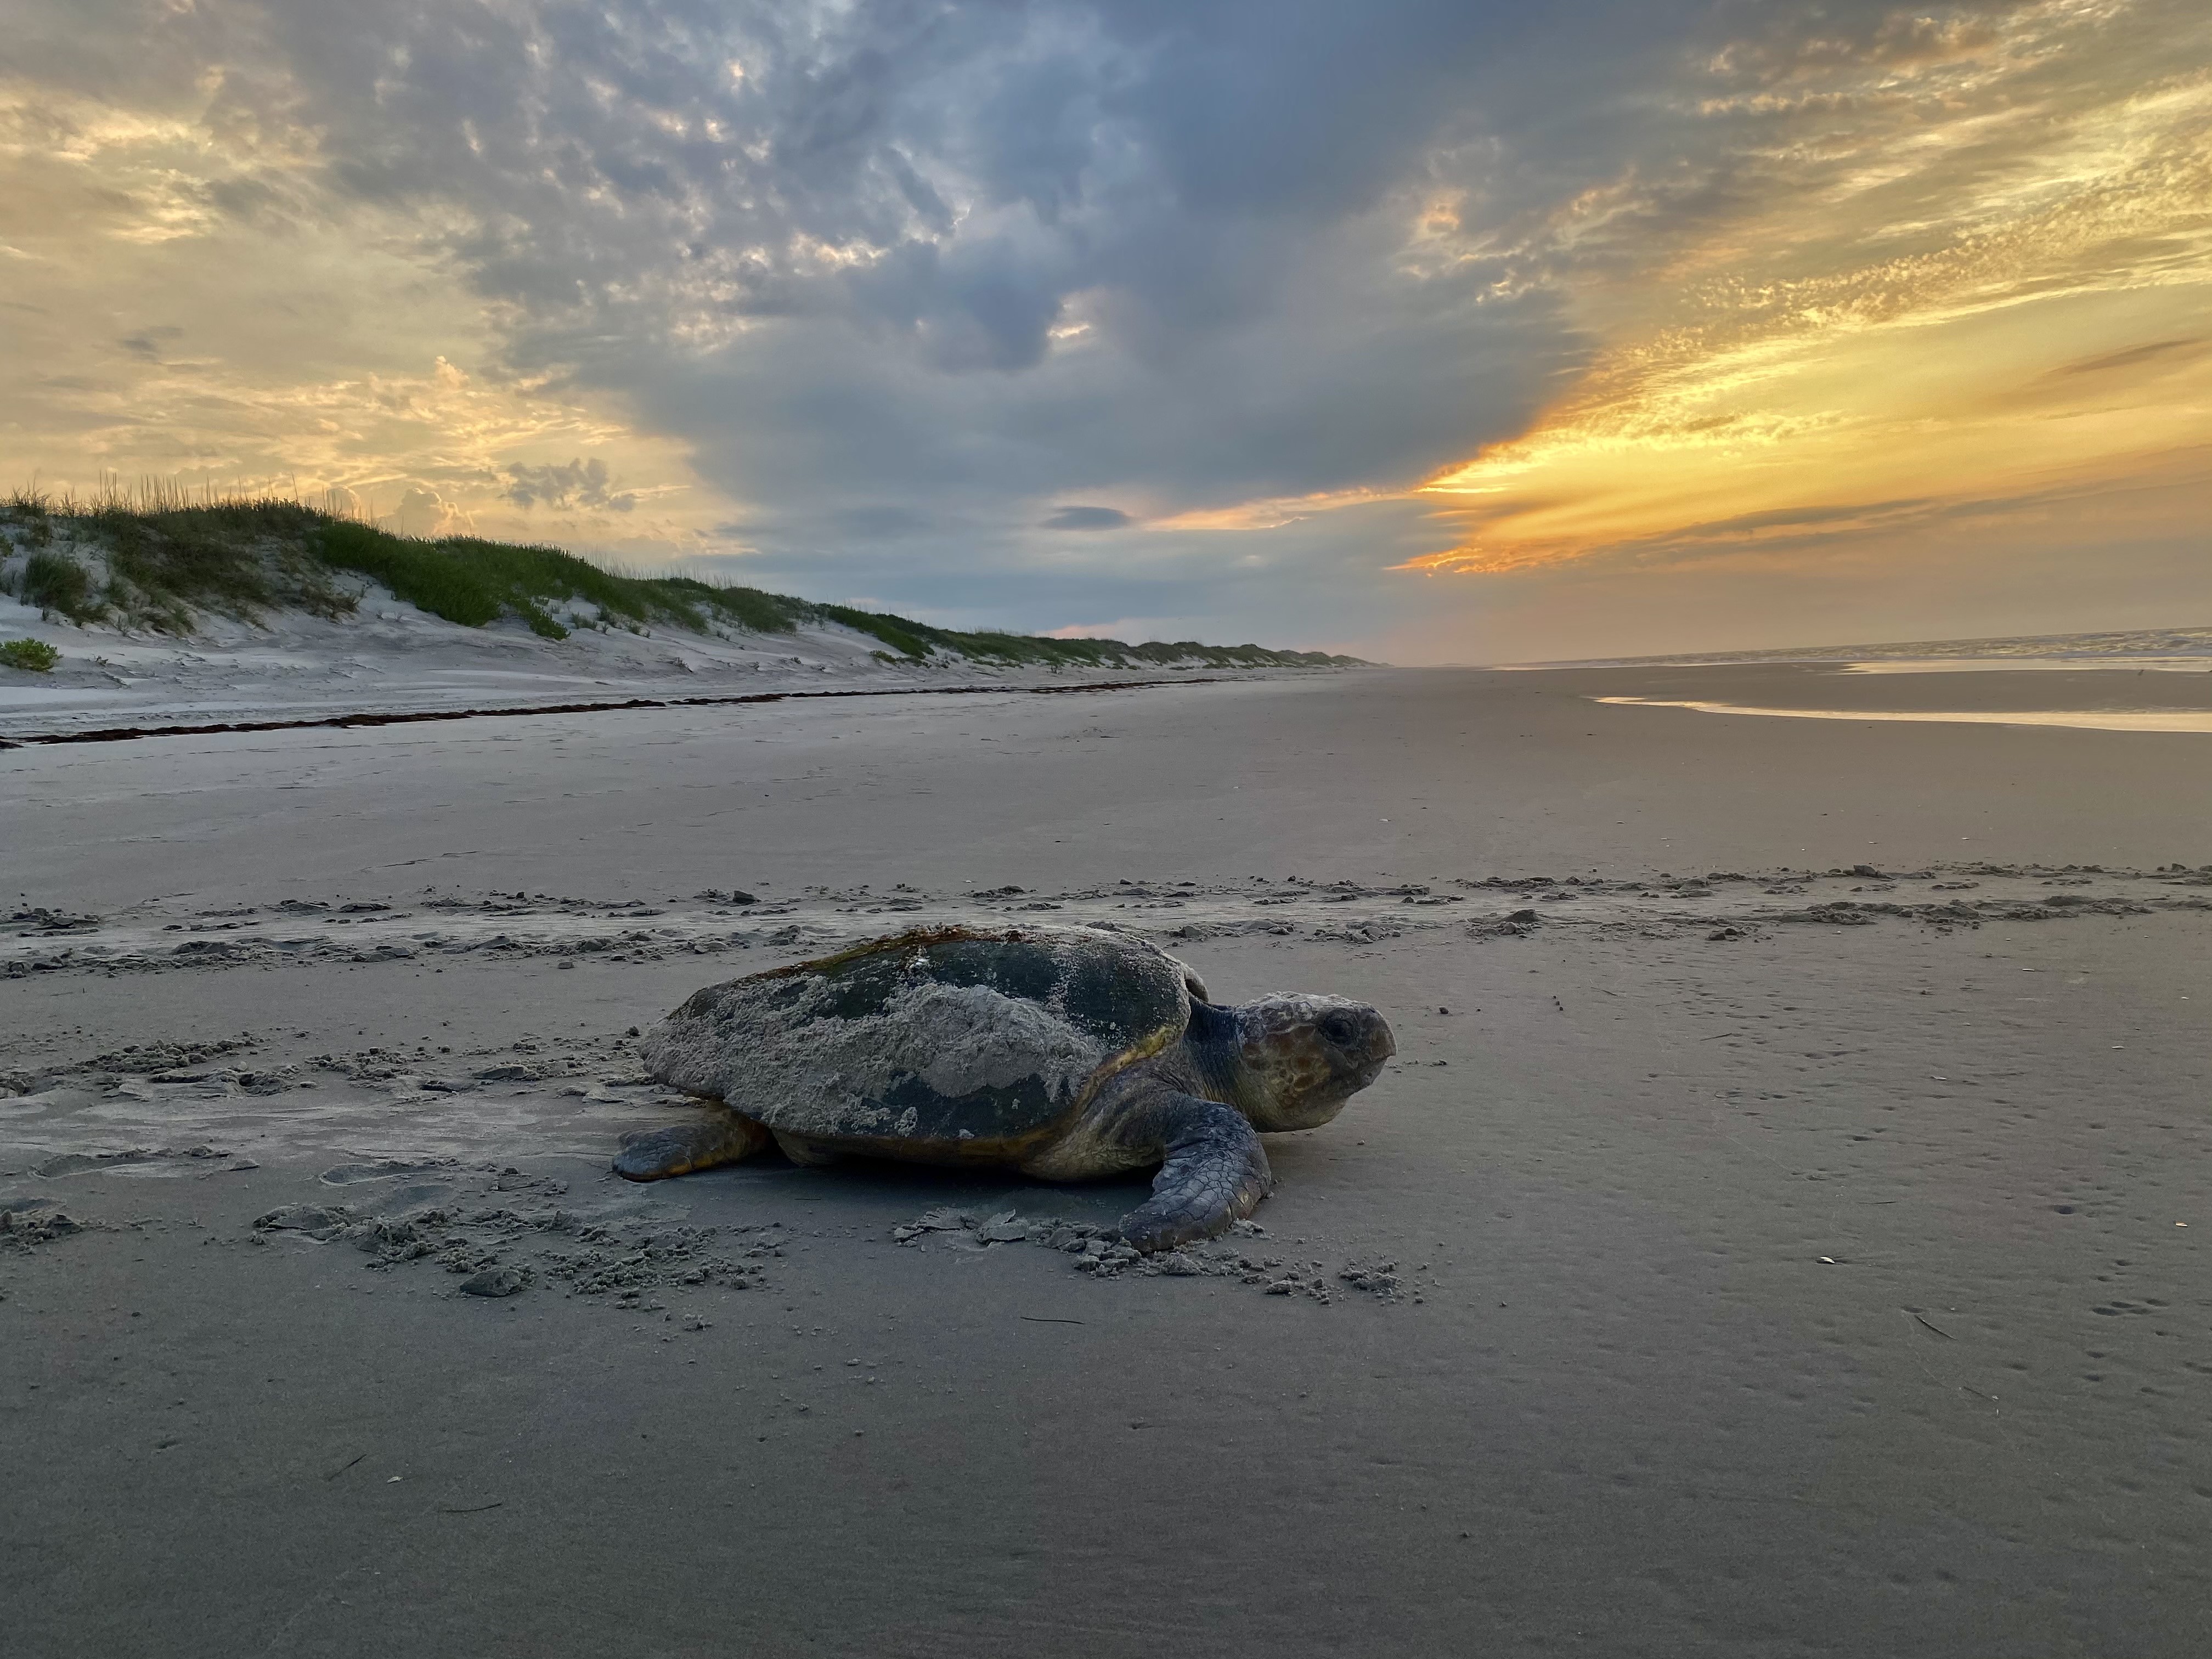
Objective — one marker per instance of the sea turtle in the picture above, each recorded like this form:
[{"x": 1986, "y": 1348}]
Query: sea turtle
[{"x": 1064, "y": 1052}]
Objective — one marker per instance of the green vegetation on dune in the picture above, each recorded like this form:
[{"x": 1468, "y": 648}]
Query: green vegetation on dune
[
  {"x": 468, "y": 581},
  {"x": 472, "y": 582},
  {"x": 166, "y": 558},
  {"x": 166, "y": 561},
  {"x": 54, "y": 581}
]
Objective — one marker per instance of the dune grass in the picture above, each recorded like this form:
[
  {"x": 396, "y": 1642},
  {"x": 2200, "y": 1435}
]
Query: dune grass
[
  {"x": 34, "y": 656},
  {"x": 55, "y": 581},
  {"x": 166, "y": 557},
  {"x": 471, "y": 581}
]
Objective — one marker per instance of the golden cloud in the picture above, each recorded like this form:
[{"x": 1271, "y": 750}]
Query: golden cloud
[{"x": 1992, "y": 274}]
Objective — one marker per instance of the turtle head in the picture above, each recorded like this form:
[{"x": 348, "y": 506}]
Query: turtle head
[{"x": 1301, "y": 1057}]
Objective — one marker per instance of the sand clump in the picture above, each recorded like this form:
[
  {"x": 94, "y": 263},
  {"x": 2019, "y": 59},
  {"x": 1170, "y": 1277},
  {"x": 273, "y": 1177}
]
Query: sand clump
[
  {"x": 501, "y": 1248},
  {"x": 26, "y": 1224}
]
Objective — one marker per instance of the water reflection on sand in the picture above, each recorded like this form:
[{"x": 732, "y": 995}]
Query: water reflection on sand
[
  {"x": 2089, "y": 719},
  {"x": 2195, "y": 665}
]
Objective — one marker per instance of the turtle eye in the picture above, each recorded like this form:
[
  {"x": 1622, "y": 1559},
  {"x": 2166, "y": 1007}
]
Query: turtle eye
[{"x": 1338, "y": 1029}]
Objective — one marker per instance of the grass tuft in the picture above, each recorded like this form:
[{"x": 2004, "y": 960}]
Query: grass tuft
[
  {"x": 58, "y": 584},
  {"x": 35, "y": 656}
]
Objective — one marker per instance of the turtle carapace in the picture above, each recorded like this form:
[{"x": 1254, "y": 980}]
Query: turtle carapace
[{"x": 1066, "y": 1053}]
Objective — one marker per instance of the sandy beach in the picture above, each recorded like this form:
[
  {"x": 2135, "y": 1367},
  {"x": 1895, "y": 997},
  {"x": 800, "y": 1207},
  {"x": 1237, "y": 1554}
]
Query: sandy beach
[{"x": 1781, "y": 1231}]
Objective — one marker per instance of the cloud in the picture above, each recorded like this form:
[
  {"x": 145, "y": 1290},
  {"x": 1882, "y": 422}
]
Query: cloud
[
  {"x": 1104, "y": 213},
  {"x": 878, "y": 520},
  {"x": 1923, "y": 225},
  {"x": 870, "y": 296},
  {"x": 576, "y": 483},
  {"x": 424, "y": 511},
  {"x": 1131, "y": 630},
  {"x": 145, "y": 344},
  {"x": 2153, "y": 351},
  {"x": 1088, "y": 518}
]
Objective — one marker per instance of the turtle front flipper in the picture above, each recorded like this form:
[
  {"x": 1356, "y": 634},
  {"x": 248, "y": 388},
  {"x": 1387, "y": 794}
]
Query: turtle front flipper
[
  {"x": 1215, "y": 1172},
  {"x": 656, "y": 1154}
]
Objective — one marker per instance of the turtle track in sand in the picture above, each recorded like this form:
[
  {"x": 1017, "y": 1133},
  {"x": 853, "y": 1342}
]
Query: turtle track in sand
[{"x": 436, "y": 925}]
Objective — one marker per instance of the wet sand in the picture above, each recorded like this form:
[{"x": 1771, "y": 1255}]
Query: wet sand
[
  {"x": 1777, "y": 1247},
  {"x": 2172, "y": 698}
]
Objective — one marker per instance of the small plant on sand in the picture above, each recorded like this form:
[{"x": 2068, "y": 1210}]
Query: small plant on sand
[{"x": 35, "y": 656}]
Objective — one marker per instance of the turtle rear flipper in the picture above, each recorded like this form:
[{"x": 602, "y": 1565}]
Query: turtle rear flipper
[
  {"x": 807, "y": 1154},
  {"x": 656, "y": 1154},
  {"x": 1215, "y": 1172}
]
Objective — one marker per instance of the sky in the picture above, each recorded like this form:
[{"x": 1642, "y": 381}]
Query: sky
[{"x": 1435, "y": 330}]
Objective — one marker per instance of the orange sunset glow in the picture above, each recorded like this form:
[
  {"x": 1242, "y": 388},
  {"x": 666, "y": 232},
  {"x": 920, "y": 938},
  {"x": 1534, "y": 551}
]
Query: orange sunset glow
[{"x": 1972, "y": 310}]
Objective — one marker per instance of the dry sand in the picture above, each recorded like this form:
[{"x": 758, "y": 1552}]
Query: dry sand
[{"x": 1748, "y": 1262}]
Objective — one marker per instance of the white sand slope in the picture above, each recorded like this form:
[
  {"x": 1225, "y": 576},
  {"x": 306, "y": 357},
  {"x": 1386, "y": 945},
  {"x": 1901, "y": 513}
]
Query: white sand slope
[{"x": 389, "y": 657}]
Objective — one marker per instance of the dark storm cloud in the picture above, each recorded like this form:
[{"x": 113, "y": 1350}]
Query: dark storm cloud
[{"x": 1013, "y": 248}]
